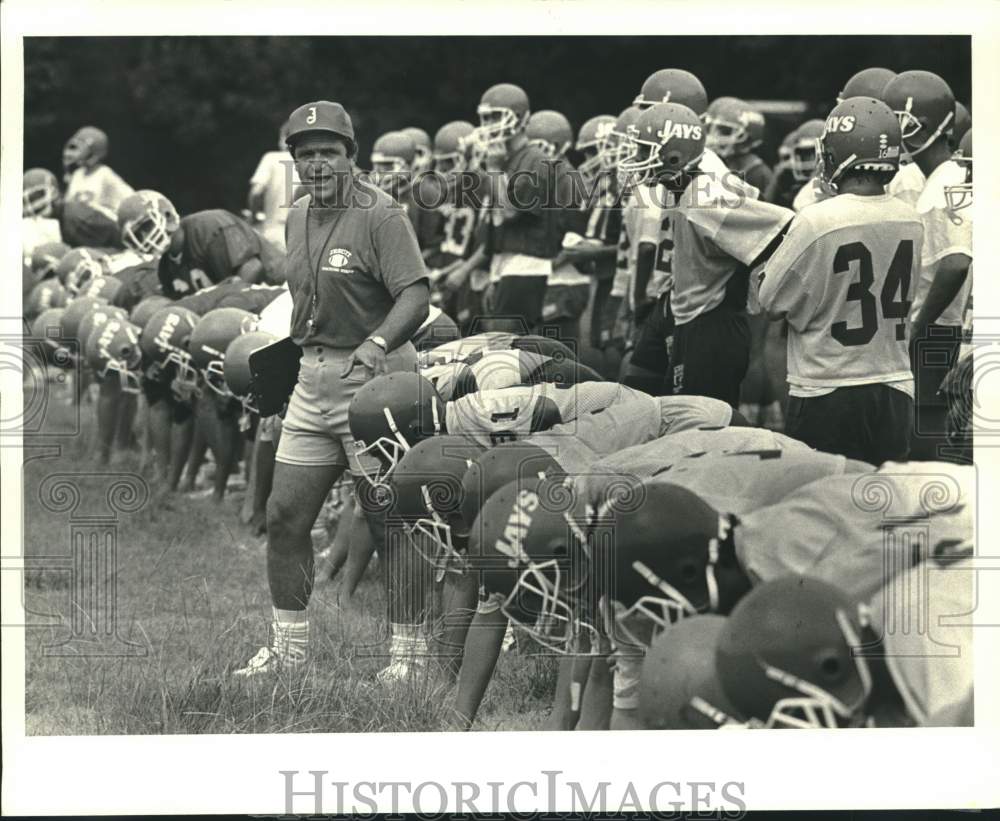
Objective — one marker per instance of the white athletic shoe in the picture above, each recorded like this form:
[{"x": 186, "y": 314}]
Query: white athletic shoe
[
  {"x": 267, "y": 661},
  {"x": 400, "y": 668}
]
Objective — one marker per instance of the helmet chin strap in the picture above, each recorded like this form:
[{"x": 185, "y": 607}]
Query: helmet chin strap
[{"x": 932, "y": 138}]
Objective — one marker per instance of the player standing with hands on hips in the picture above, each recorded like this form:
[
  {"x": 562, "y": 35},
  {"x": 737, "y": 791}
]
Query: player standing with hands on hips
[{"x": 359, "y": 289}]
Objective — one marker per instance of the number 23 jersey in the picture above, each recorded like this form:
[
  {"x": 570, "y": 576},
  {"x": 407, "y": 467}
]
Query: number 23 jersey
[{"x": 843, "y": 277}]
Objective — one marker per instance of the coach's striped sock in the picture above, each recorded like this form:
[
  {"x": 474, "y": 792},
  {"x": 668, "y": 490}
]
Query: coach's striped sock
[{"x": 291, "y": 634}]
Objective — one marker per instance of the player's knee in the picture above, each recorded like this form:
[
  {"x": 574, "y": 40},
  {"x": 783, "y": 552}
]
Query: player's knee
[{"x": 285, "y": 521}]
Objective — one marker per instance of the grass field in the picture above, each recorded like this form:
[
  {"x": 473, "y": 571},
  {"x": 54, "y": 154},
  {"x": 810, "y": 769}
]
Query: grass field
[{"x": 192, "y": 590}]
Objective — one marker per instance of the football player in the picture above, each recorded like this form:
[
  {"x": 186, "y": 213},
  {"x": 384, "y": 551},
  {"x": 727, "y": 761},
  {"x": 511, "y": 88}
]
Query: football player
[
  {"x": 869, "y": 82},
  {"x": 40, "y": 204},
  {"x": 718, "y": 232},
  {"x": 734, "y": 130},
  {"x": 424, "y": 159},
  {"x": 93, "y": 191},
  {"x": 271, "y": 188},
  {"x": 925, "y": 106},
  {"x": 43, "y": 264},
  {"x": 798, "y": 170},
  {"x": 551, "y": 132},
  {"x": 850, "y": 385}
]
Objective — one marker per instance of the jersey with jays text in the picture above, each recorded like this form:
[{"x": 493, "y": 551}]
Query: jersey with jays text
[
  {"x": 216, "y": 244},
  {"x": 491, "y": 417},
  {"x": 489, "y": 370},
  {"x": 924, "y": 618},
  {"x": 858, "y": 531},
  {"x": 742, "y": 482},
  {"x": 842, "y": 278},
  {"x": 946, "y": 232},
  {"x": 718, "y": 230}
]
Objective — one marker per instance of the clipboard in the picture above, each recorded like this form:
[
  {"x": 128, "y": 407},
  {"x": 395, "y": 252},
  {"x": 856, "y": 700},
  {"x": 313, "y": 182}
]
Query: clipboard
[{"x": 274, "y": 370}]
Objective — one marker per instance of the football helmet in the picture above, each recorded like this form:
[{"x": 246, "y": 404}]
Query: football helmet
[
  {"x": 732, "y": 127},
  {"x": 669, "y": 140},
  {"x": 389, "y": 415},
  {"x": 591, "y": 143},
  {"x": 46, "y": 327},
  {"x": 46, "y": 294},
  {"x": 422, "y": 143},
  {"x": 619, "y": 145},
  {"x": 805, "y": 149},
  {"x": 963, "y": 122},
  {"x": 549, "y": 131},
  {"x": 103, "y": 288},
  {"x": 97, "y": 317},
  {"x": 507, "y": 462},
  {"x": 673, "y": 557},
  {"x": 503, "y": 112},
  {"x": 114, "y": 348},
  {"x": 164, "y": 341},
  {"x": 860, "y": 133},
  {"x": 79, "y": 267},
  {"x": 528, "y": 542},
  {"x": 39, "y": 193},
  {"x": 925, "y": 106},
  {"x": 393, "y": 156},
  {"x": 960, "y": 196},
  {"x": 786, "y": 656},
  {"x": 86, "y": 148},
  {"x": 144, "y": 310},
  {"x": 236, "y": 365},
  {"x": 785, "y": 149},
  {"x": 451, "y": 146},
  {"x": 869, "y": 82},
  {"x": 428, "y": 494},
  {"x": 680, "y": 688},
  {"x": 45, "y": 259},
  {"x": 673, "y": 85},
  {"x": 69, "y": 325},
  {"x": 210, "y": 338},
  {"x": 146, "y": 222}
]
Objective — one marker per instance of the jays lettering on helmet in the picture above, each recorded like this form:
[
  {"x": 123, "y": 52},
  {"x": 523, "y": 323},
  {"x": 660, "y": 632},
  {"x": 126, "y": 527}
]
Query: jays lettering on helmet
[
  {"x": 685, "y": 131},
  {"x": 518, "y": 522}
]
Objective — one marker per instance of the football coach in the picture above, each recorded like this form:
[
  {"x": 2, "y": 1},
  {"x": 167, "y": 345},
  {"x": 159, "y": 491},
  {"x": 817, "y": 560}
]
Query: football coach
[{"x": 359, "y": 290}]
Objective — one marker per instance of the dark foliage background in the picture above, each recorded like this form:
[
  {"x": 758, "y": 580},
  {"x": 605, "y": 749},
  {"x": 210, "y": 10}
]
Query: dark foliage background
[{"x": 190, "y": 116}]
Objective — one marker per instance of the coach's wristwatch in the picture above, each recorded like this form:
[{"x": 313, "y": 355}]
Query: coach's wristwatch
[{"x": 380, "y": 341}]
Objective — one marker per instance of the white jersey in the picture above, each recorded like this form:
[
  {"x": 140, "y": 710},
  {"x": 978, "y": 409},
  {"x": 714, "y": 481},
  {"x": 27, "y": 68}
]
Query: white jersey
[
  {"x": 907, "y": 184},
  {"x": 642, "y": 216},
  {"x": 491, "y": 417},
  {"x": 857, "y": 531},
  {"x": 924, "y": 618},
  {"x": 492, "y": 370},
  {"x": 122, "y": 260},
  {"x": 277, "y": 176},
  {"x": 99, "y": 187},
  {"x": 946, "y": 232},
  {"x": 37, "y": 231},
  {"x": 841, "y": 278},
  {"x": 809, "y": 194},
  {"x": 459, "y": 350}
]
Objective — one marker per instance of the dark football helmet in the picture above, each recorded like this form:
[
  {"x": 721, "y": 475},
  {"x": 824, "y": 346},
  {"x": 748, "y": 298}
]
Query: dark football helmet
[
  {"x": 733, "y": 127},
  {"x": 503, "y": 112},
  {"x": 673, "y": 85},
  {"x": 113, "y": 348},
  {"x": 164, "y": 343},
  {"x": 144, "y": 310},
  {"x": 236, "y": 365},
  {"x": 69, "y": 326},
  {"x": 861, "y": 133},
  {"x": 669, "y": 140},
  {"x": 46, "y": 294},
  {"x": 591, "y": 142},
  {"x": 45, "y": 259},
  {"x": 146, "y": 222},
  {"x": 959, "y": 196},
  {"x": 804, "y": 157},
  {"x": 97, "y": 317},
  {"x": 869, "y": 82},
  {"x": 392, "y": 158},
  {"x": 39, "y": 193},
  {"x": 550, "y": 131},
  {"x": 925, "y": 106},
  {"x": 86, "y": 148},
  {"x": 210, "y": 339},
  {"x": 80, "y": 267}
]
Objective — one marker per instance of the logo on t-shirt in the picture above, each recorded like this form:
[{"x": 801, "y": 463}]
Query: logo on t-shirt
[{"x": 339, "y": 258}]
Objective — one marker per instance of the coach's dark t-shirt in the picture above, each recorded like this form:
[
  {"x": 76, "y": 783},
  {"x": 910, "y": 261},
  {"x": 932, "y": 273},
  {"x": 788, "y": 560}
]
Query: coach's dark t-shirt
[{"x": 361, "y": 258}]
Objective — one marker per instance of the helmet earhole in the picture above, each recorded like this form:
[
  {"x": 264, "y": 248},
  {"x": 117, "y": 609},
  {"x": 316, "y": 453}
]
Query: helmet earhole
[{"x": 831, "y": 667}]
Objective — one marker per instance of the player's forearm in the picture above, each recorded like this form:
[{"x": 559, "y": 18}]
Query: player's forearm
[
  {"x": 251, "y": 271},
  {"x": 948, "y": 281},
  {"x": 482, "y": 649},
  {"x": 406, "y": 316},
  {"x": 255, "y": 198}
]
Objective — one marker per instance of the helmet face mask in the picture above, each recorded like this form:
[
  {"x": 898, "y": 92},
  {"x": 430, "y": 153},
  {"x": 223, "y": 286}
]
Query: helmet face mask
[
  {"x": 40, "y": 193},
  {"x": 497, "y": 125},
  {"x": 805, "y": 159},
  {"x": 724, "y": 137},
  {"x": 445, "y": 557},
  {"x": 215, "y": 377},
  {"x": 959, "y": 196}
]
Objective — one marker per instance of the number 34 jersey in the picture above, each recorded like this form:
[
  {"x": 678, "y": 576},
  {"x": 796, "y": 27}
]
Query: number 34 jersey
[{"x": 843, "y": 277}]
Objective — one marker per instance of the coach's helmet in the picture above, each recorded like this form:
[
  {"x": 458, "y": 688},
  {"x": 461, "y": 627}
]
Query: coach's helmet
[
  {"x": 673, "y": 85},
  {"x": 210, "y": 339},
  {"x": 393, "y": 157},
  {"x": 869, "y": 82},
  {"x": 925, "y": 106},
  {"x": 45, "y": 259},
  {"x": 428, "y": 495},
  {"x": 733, "y": 127},
  {"x": 48, "y": 293},
  {"x": 860, "y": 134},
  {"x": 591, "y": 142},
  {"x": 959, "y": 195},
  {"x": 146, "y": 307},
  {"x": 804, "y": 157},
  {"x": 389, "y": 415},
  {"x": 85, "y": 149},
  {"x": 39, "y": 193},
  {"x": 146, "y": 222},
  {"x": 787, "y": 656},
  {"x": 680, "y": 688},
  {"x": 529, "y": 542},
  {"x": 79, "y": 267},
  {"x": 673, "y": 557},
  {"x": 669, "y": 140},
  {"x": 236, "y": 365},
  {"x": 549, "y": 131},
  {"x": 98, "y": 317},
  {"x": 503, "y": 112},
  {"x": 114, "y": 348}
]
